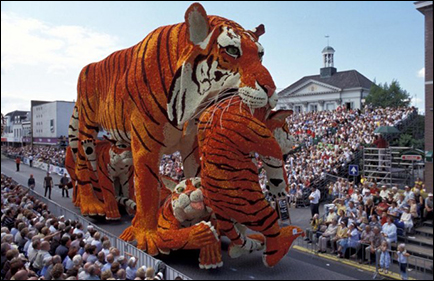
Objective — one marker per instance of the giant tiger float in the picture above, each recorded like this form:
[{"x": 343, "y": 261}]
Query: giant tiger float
[{"x": 203, "y": 75}]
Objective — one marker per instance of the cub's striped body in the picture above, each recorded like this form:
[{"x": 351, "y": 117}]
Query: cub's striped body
[{"x": 228, "y": 135}]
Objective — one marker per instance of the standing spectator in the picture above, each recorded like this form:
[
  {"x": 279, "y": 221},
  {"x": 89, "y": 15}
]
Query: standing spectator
[
  {"x": 64, "y": 185},
  {"x": 375, "y": 245},
  {"x": 314, "y": 198},
  {"x": 402, "y": 257},
  {"x": 427, "y": 212},
  {"x": 48, "y": 184},
  {"x": 31, "y": 160},
  {"x": 18, "y": 162},
  {"x": 384, "y": 258},
  {"x": 31, "y": 182},
  {"x": 381, "y": 144}
]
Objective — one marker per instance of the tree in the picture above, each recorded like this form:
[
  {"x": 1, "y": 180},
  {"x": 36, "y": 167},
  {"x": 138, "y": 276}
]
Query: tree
[{"x": 388, "y": 95}]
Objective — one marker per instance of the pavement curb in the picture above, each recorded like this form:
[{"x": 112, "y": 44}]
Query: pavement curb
[{"x": 369, "y": 268}]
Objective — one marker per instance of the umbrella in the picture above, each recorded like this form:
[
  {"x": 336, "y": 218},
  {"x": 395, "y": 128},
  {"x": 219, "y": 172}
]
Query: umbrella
[{"x": 386, "y": 130}]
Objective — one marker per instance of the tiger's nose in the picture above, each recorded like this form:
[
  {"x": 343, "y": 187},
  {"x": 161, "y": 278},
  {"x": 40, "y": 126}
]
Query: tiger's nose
[{"x": 270, "y": 90}]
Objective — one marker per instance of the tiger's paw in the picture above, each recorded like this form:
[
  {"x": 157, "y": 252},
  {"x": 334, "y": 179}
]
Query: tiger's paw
[
  {"x": 112, "y": 210},
  {"x": 146, "y": 240},
  {"x": 91, "y": 206},
  {"x": 211, "y": 256},
  {"x": 251, "y": 244},
  {"x": 203, "y": 234}
]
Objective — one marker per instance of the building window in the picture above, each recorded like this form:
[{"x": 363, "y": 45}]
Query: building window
[
  {"x": 348, "y": 105},
  {"x": 52, "y": 125},
  {"x": 330, "y": 106},
  {"x": 298, "y": 109},
  {"x": 313, "y": 107}
]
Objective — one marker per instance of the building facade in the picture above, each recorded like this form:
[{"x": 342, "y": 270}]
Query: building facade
[
  {"x": 50, "y": 121},
  {"x": 425, "y": 7},
  {"x": 326, "y": 91},
  {"x": 16, "y": 132}
]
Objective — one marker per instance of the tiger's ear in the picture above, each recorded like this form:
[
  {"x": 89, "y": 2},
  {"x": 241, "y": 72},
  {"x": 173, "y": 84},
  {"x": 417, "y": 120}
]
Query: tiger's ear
[
  {"x": 168, "y": 182},
  {"x": 280, "y": 115},
  {"x": 197, "y": 23},
  {"x": 259, "y": 30}
]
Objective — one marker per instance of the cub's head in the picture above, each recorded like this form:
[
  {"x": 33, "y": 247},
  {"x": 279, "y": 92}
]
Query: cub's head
[
  {"x": 276, "y": 122},
  {"x": 187, "y": 199},
  {"x": 221, "y": 59},
  {"x": 120, "y": 153}
]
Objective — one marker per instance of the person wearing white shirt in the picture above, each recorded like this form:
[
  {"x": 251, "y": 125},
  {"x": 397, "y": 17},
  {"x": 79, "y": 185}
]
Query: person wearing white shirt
[
  {"x": 384, "y": 193},
  {"x": 314, "y": 198},
  {"x": 389, "y": 231}
]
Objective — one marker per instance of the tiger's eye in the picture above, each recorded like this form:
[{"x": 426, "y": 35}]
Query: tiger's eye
[{"x": 232, "y": 51}]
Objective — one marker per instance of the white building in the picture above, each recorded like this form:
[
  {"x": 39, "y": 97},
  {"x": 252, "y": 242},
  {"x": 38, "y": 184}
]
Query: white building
[
  {"x": 50, "y": 121},
  {"x": 14, "y": 134},
  {"x": 326, "y": 91}
]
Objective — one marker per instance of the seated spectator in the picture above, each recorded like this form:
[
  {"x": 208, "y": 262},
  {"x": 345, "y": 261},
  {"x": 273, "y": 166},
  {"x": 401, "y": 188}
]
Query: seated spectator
[
  {"x": 394, "y": 211},
  {"x": 329, "y": 234},
  {"x": 408, "y": 194},
  {"x": 389, "y": 231},
  {"x": 331, "y": 216},
  {"x": 315, "y": 224},
  {"x": 406, "y": 220},
  {"x": 366, "y": 239},
  {"x": 341, "y": 234},
  {"x": 413, "y": 208},
  {"x": 428, "y": 211},
  {"x": 384, "y": 193},
  {"x": 352, "y": 240}
]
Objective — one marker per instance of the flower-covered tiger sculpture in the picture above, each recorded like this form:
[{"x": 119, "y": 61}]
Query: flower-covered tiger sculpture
[
  {"x": 228, "y": 135},
  {"x": 145, "y": 94},
  {"x": 184, "y": 222},
  {"x": 111, "y": 164}
]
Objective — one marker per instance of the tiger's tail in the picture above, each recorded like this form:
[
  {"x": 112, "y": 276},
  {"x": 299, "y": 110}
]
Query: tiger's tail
[{"x": 277, "y": 247}]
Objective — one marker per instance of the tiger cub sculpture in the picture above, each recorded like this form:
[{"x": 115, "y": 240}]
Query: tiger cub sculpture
[
  {"x": 228, "y": 134},
  {"x": 112, "y": 163},
  {"x": 184, "y": 222}
]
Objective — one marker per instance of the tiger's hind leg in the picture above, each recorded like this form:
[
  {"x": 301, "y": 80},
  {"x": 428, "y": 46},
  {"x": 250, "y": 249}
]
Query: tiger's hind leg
[{"x": 86, "y": 177}]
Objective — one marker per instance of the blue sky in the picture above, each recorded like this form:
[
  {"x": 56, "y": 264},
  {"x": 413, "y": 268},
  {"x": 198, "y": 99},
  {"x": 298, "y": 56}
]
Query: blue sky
[{"x": 44, "y": 45}]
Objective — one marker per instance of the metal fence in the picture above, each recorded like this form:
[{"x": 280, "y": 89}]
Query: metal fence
[{"x": 124, "y": 247}]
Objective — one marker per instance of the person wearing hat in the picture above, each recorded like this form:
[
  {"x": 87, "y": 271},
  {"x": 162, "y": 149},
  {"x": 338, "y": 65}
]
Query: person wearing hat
[
  {"x": 384, "y": 193},
  {"x": 48, "y": 184},
  {"x": 352, "y": 240},
  {"x": 406, "y": 220},
  {"x": 341, "y": 234},
  {"x": 395, "y": 193},
  {"x": 427, "y": 212},
  {"x": 408, "y": 194}
]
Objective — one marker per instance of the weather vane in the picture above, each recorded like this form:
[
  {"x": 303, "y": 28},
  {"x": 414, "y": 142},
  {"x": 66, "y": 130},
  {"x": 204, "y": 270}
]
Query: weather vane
[{"x": 327, "y": 36}]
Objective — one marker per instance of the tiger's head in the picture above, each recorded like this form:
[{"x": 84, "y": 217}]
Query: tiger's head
[
  {"x": 222, "y": 59},
  {"x": 187, "y": 200},
  {"x": 276, "y": 123}
]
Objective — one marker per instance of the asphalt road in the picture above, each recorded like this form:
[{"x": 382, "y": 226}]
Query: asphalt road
[{"x": 296, "y": 265}]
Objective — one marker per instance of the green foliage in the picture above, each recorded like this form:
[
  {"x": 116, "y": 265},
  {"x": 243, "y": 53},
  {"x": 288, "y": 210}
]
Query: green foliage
[{"x": 384, "y": 95}]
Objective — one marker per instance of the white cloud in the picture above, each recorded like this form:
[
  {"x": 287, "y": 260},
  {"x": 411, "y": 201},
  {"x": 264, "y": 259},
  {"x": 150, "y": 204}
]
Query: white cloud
[
  {"x": 27, "y": 41},
  {"x": 421, "y": 73}
]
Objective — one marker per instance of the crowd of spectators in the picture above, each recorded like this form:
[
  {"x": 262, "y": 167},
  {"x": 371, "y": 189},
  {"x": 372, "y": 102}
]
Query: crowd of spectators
[
  {"x": 53, "y": 155},
  {"x": 35, "y": 245},
  {"x": 367, "y": 218},
  {"x": 329, "y": 140}
]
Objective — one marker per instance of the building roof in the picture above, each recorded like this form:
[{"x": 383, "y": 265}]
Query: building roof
[
  {"x": 343, "y": 80},
  {"x": 17, "y": 113},
  {"x": 327, "y": 49}
]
